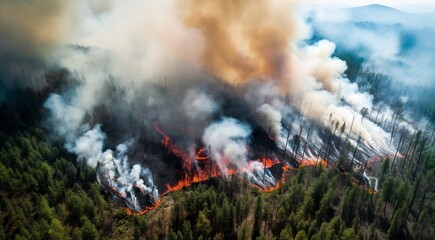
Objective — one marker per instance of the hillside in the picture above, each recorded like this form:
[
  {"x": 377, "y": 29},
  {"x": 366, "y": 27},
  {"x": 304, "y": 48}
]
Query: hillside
[
  {"x": 46, "y": 196},
  {"x": 167, "y": 119}
]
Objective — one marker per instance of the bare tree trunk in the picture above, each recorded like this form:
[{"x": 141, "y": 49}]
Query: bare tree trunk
[
  {"x": 398, "y": 147},
  {"x": 394, "y": 127},
  {"x": 354, "y": 152},
  {"x": 406, "y": 154},
  {"x": 362, "y": 173},
  {"x": 327, "y": 147},
  {"x": 379, "y": 110},
  {"x": 210, "y": 162},
  {"x": 306, "y": 142},
  {"x": 299, "y": 141},
  {"x": 413, "y": 150},
  {"x": 286, "y": 142},
  {"x": 351, "y": 125}
]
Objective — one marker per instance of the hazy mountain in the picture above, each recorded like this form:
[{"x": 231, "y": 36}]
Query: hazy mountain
[{"x": 388, "y": 15}]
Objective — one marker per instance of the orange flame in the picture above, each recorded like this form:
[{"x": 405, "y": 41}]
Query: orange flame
[
  {"x": 268, "y": 163},
  {"x": 312, "y": 162},
  {"x": 198, "y": 155},
  {"x": 143, "y": 211},
  {"x": 195, "y": 174}
]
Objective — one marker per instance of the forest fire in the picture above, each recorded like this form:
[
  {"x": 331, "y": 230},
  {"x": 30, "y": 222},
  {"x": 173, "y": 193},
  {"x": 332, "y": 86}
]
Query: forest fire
[
  {"x": 200, "y": 155},
  {"x": 268, "y": 163},
  {"x": 200, "y": 168},
  {"x": 145, "y": 210},
  {"x": 195, "y": 163},
  {"x": 313, "y": 162}
]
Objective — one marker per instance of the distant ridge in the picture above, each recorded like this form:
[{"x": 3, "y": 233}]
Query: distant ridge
[{"x": 376, "y": 8}]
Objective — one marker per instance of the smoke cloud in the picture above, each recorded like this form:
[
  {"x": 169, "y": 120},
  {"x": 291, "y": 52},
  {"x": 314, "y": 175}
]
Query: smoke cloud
[
  {"x": 236, "y": 49},
  {"x": 198, "y": 105},
  {"x": 157, "y": 80},
  {"x": 29, "y": 34},
  {"x": 31, "y": 26},
  {"x": 228, "y": 140},
  {"x": 89, "y": 148},
  {"x": 270, "y": 119}
]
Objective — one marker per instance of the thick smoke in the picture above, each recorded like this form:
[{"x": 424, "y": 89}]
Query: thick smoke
[
  {"x": 30, "y": 26},
  {"x": 228, "y": 140},
  {"x": 236, "y": 49},
  {"x": 318, "y": 81},
  {"x": 88, "y": 145},
  {"x": 198, "y": 105},
  {"x": 270, "y": 119},
  {"x": 156, "y": 80},
  {"x": 29, "y": 34}
]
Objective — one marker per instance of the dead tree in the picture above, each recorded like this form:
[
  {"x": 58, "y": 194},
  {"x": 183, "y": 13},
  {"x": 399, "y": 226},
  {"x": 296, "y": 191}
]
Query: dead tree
[
  {"x": 210, "y": 162},
  {"x": 379, "y": 110},
  {"x": 394, "y": 124},
  {"x": 327, "y": 147},
  {"x": 354, "y": 152},
  {"x": 286, "y": 142},
  {"x": 351, "y": 126},
  {"x": 364, "y": 111},
  {"x": 413, "y": 150},
  {"x": 306, "y": 141},
  {"x": 398, "y": 147},
  {"x": 296, "y": 141},
  {"x": 362, "y": 173},
  {"x": 406, "y": 154}
]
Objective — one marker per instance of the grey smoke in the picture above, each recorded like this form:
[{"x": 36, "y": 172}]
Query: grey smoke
[
  {"x": 198, "y": 105},
  {"x": 228, "y": 140},
  {"x": 270, "y": 119},
  {"x": 88, "y": 144}
]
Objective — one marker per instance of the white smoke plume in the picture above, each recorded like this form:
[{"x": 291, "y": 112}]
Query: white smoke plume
[
  {"x": 198, "y": 105},
  {"x": 228, "y": 140},
  {"x": 88, "y": 145},
  {"x": 270, "y": 119},
  {"x": 130, "y": 47},
  {"x": 319, "y": 81}
]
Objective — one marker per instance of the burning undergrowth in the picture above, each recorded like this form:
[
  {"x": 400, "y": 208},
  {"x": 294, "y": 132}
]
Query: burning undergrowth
[
  {"x": 162, "y": 140},
  {"x": 156, "y": 110}
]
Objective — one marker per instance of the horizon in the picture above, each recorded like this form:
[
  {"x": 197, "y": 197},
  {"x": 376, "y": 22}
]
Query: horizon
[{"x": 422, "y": 6}]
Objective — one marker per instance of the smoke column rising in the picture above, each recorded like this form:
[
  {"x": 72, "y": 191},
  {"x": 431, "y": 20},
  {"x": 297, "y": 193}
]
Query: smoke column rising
[
  {"x": 236, "y": 49},
  {"x": 210, "y": 70}
]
